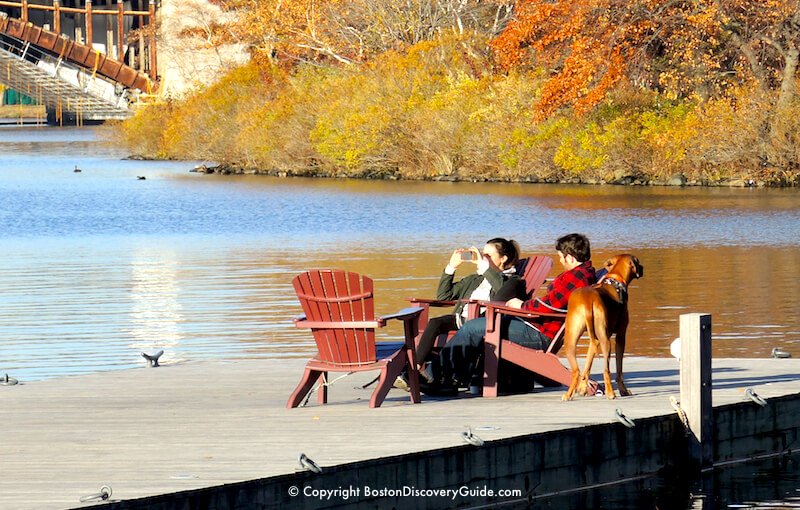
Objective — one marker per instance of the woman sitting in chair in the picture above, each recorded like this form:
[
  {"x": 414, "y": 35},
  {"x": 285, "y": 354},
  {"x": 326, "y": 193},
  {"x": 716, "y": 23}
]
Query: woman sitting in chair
[{"x": 494, "y": 279}]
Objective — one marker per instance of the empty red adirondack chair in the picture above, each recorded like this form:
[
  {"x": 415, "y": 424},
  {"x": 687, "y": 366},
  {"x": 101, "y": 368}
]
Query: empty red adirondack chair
[
  {"x": 534, "y": 271},
  {"x": 546, "y": 366},
  {"x": 338, "y": 308}
]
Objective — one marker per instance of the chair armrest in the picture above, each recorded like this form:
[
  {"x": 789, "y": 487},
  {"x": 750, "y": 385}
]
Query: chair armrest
[
  {"x": 404, "y": 314},
  {"x": 494, "y": 308},
  {"x": 410, "y": 318},
  {"x": 431, "y": 302}
]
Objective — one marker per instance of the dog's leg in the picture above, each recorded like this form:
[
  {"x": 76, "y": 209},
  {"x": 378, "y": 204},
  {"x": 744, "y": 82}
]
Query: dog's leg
[
  {"x": 583, "y": 385},
  {"x": 572, "y": 332},
  {"x": 605, "y": 348},
  {"x": 619, "y": 351},
  {"x": 591, "y": 352}
]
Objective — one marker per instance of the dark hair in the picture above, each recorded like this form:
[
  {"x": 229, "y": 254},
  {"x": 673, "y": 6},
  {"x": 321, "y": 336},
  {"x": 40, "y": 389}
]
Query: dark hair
[
  {"x": 507, "y": 248},
  {"x": 576, "y": 245}
]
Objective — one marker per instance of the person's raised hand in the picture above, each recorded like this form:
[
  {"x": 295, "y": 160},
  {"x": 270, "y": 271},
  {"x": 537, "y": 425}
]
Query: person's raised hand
[{"x": 455, "y": 258}]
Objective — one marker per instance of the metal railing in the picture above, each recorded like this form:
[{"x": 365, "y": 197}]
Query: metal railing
[{"x": 88, "y": 13}]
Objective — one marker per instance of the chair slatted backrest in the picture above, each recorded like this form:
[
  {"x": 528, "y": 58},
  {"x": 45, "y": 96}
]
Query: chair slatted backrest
[
  {"x": 332, "y": 295},
  {"x": 535, "y": 272}
]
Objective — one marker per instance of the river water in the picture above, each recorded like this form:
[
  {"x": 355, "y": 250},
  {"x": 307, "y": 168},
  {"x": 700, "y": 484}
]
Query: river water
[{"x": 99, "y": 265}]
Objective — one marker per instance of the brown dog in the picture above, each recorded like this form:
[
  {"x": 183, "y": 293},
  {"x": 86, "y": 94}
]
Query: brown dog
[{"x": 601, "y": 310}]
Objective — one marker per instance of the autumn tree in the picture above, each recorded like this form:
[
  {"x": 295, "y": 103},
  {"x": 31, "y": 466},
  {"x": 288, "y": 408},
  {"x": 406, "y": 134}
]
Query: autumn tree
[
  {"x": 686, "y": 48},
  {"x": 348, "y": 31}
]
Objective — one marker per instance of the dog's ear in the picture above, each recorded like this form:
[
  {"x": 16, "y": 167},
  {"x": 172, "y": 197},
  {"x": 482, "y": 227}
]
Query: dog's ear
[
  {"x": 636, "y": 268},
  {"x": 608, "y": 264}
]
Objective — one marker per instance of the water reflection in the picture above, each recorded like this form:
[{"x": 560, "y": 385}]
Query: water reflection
[
  {"x": 155, "y": 310},
  {"x": 766, "y": 483}
]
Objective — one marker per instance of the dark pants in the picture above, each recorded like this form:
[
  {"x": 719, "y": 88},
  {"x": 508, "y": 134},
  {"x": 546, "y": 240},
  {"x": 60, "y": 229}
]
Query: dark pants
[
  {"x": 436, "y": 326},
  {"x": 461, "y": 359}
]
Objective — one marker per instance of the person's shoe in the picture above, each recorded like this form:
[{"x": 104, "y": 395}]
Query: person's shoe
[
  {"x": 401, "y": 383},
  {"x": 437, "y": 390},
  {"x": 425, "y": 374}
]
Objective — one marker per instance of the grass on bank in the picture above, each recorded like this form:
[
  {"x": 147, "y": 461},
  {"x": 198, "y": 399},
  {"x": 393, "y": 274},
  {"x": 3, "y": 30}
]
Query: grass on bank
[
  {"x": 436, "y": 112},
  {"x": 22, "y": 112}
]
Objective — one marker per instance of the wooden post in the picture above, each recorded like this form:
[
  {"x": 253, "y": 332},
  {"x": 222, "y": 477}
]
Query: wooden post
[
  {"x": 109, "y": 36},
  {"x": 56, "y": 16},
  {"x": 142, "y": 54},
  {"x": 88, "y": 16},
  {"x": 120, "y": 31},
  {"x": 695, "y": 334},
  {"x": 25, "y": 11},
  {"x": 152, "y": 42}
]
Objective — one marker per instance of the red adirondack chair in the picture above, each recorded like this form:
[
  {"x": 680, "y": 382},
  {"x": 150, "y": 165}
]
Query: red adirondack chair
[
  {"x": 534, "y": 271},
  {"x": 338, "y": 308},
  {"x": 546, "y": 366}
]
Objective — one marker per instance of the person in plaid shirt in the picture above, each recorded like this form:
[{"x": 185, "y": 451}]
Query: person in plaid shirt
[{"x": 460, "y": 359}]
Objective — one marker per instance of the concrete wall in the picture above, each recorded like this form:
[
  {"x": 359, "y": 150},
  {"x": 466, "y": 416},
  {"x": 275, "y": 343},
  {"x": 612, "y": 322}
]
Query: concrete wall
[
  {"x": 186, "y": 62},
  {"x": 749, "y": 429},
  {"x": 538, "y": 464}
]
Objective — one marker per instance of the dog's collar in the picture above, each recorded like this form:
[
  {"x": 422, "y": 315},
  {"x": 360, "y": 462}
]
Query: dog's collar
[{"x": 619, "y": 286}]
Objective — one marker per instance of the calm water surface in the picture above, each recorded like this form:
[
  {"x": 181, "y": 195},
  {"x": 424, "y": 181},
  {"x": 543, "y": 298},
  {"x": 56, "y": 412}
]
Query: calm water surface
[
  {"x": 764, "y": 484},
  {"x": 99, "y": 266}
]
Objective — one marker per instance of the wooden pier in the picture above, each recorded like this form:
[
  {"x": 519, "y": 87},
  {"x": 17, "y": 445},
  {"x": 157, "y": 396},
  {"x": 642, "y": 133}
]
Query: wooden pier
[{"x": 178, "y": 427}]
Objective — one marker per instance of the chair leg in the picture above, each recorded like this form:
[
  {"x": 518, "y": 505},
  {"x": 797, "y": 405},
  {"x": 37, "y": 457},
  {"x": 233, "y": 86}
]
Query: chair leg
[
  {"x": 382, "y": 388},
  {"x": 389, "y": 373},
  {"x": 306, "y": 383},
  {"x": 413, "y": 377},
  {"x": 491, "y": 361}
]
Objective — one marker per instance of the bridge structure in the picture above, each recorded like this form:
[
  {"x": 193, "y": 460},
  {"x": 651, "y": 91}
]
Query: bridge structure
[{"x": 83, "y": 61}]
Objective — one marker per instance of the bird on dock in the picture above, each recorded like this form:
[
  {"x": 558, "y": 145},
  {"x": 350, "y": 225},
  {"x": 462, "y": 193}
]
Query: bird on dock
[
  {"x": 141, "y": 177},
  {"x": 777, "y": 352},
  {"x": 152, "y": 359},
  {"x": 76, "y": 170}
]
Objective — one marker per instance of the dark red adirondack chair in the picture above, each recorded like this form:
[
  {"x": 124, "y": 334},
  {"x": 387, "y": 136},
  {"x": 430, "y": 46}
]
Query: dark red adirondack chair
[
  {"x": 534, "y": 271},
  {"x": 546, "y": 367},
  {"x": 338, "y": 308}
]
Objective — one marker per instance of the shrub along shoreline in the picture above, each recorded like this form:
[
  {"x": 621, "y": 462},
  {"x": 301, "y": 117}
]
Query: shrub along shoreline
[{"x": 437, "y": 112}]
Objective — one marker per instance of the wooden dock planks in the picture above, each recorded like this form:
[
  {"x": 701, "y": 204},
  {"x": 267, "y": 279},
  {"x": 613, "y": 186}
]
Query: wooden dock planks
[{"x": 150, "y": 431}]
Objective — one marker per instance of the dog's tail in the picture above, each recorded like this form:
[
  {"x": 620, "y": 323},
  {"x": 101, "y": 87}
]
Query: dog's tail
[{"x": 592, "y": 327}]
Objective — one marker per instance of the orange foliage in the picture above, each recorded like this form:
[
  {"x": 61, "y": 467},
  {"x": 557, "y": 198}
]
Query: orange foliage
[
  {"x": 682, "y": 48},
  {"x": 587, "y": 44}
]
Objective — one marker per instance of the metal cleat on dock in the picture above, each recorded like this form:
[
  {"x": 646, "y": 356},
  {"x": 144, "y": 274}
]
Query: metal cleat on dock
[
  {"x": 623, "y": 419},
  {"x": 752, "y": 395},
  {"x": 104, "y": 494},
  {"x": 308, "y": 464},
  {"x": 153, "y": 358},
  {"x": 8, "y": 381},
  {"x": 471, "y": 438}
]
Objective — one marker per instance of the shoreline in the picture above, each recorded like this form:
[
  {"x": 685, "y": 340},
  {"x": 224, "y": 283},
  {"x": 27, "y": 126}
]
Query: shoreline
[{"x": 677, "y": 180}]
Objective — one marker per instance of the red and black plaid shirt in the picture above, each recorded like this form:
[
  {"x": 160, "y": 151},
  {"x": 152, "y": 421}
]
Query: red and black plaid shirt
[{"x": 558, "y": 294}]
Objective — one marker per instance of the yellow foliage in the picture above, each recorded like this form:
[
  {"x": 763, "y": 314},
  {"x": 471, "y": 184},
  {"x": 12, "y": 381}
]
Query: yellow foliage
[{"x": 435, "y": 111}]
